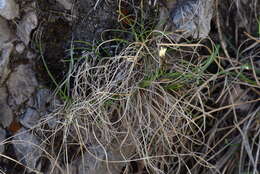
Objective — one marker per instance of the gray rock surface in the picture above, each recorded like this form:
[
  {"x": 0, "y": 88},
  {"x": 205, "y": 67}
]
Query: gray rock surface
[
  {"x": 193, "y": 17},
  {"x": 30, "y": 118},
  {"x": 5, "y": 32},
  {"x": 43, "y": 99},
  {"x": 2, "y": 138},
  {"x": 189, "y": 18},
  {"x": 45, "y": 103},
  {"x": 9, "y": 9},
  {"x": 27, "y": 148},
  {"x": 21, "y": 85},
  {"x": 67, "y": 4},
  {"x": 6, "y": 114},
  {"x": 28, "y": 23},
  {"x": 4, "y": 61}
]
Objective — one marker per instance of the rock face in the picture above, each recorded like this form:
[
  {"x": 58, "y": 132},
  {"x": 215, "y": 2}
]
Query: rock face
[
  {"x": 6, "y": 114},
  {"x": 9, "y": 9},
  {"x": 21, "y": 85},
  {"x": 27, "y": 148}
]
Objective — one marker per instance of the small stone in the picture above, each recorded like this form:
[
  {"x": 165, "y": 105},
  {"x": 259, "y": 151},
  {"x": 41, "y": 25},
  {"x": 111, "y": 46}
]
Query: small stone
[
  {"x": 20, "y": 48},
  {"x": 9, "y": 9},
  {"x": 67, "y": 4},
  {"x": 21, "y": 85},
  {"x": 27, "y": 148},
  {"x": 30, "y": 55},
  {"x": 25, "y": 27},
  {"x": 6, "y": 114},
  {"x": 30, "y": 118},
  {"x": 2, "y": 139}
]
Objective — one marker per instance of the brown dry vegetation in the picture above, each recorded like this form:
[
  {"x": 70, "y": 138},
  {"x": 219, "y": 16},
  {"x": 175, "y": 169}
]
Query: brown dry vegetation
[{"x": 161, "y": 106}]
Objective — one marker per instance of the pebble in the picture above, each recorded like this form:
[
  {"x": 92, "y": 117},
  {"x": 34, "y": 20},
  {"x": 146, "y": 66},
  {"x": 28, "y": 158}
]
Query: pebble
[{"x": 20, "y": 48}]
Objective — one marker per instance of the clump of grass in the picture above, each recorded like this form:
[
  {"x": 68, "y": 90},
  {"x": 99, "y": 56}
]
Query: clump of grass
[{"x": 132, "y": 101}]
